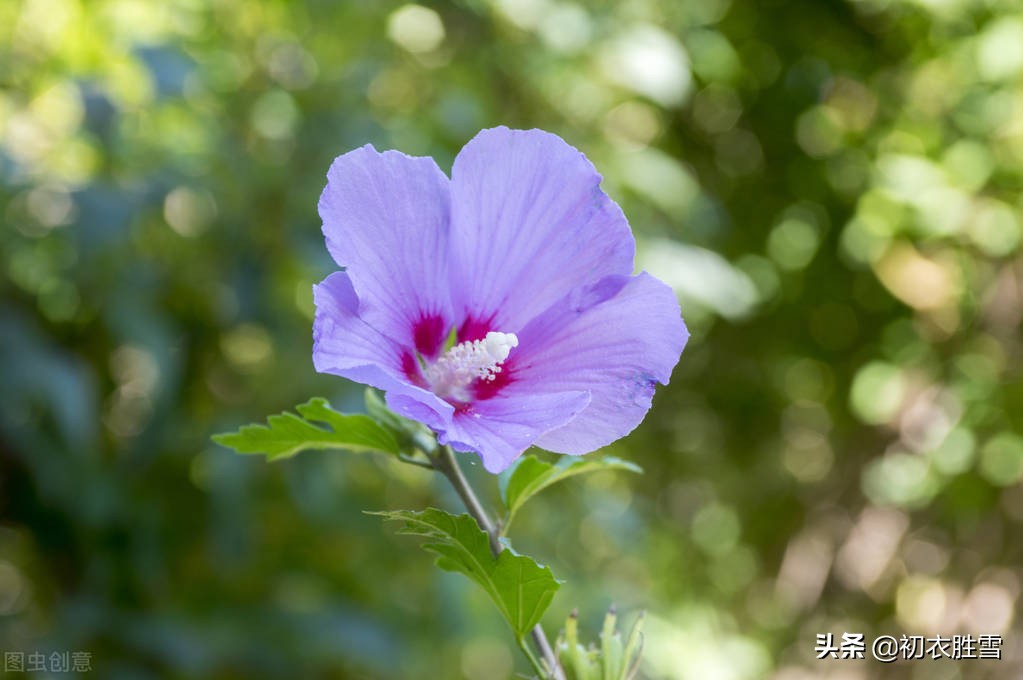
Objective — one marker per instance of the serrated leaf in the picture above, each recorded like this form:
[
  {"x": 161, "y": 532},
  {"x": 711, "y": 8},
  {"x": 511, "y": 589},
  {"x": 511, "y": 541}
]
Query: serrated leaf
[
  {"x": 521, "y": 588},
  {"x": 531, "y": 475},
  {"x": 286, "y": 434}
]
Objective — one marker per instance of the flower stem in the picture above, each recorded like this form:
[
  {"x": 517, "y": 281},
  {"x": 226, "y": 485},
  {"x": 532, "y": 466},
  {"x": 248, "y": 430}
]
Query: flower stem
[
  {"x": 404, "y": 458},
  {"x": 443, "y": 459},
  {"x": 446, "y": 463}
]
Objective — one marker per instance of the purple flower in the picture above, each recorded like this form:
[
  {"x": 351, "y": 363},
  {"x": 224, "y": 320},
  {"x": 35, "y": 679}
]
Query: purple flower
[{"x": 498, "y": 307}]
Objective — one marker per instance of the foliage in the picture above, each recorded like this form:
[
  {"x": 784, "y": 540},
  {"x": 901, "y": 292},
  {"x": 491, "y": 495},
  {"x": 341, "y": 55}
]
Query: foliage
[
  {"x": 613, "y": 660},
  {"x": 519, "y": 587},
  {"x": 833, "y": 188},
  {"x": 531, "y": 475},
  {"x": 286, "y": 434}
]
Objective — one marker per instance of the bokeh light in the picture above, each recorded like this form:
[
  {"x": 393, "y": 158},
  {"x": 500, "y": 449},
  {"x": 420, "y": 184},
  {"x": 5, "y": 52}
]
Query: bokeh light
[{"x": 831, "y": 189}]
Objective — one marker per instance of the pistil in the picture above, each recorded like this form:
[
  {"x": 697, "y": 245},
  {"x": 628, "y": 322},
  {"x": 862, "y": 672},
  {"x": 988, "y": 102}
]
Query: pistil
[{"x": 465, "y": 363}]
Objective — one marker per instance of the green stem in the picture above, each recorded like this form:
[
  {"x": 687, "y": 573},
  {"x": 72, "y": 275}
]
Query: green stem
[
  {"x": 405, "y": 458},
  {"x": 537, "y": 666},
  {"x": 443, "y": 459}
]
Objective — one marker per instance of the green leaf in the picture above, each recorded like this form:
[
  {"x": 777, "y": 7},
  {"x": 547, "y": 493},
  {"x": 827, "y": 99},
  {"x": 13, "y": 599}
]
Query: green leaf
[
  {"x": 521, "y": 588},
  {"x": 531, "y": 475},
  {"x": 286, "y": 434},
  {"x": 378, "y": 411}
]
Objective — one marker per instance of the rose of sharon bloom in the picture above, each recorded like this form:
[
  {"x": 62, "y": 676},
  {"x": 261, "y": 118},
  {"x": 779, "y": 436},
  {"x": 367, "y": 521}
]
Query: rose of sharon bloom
[{"x": 498, "y": 307}]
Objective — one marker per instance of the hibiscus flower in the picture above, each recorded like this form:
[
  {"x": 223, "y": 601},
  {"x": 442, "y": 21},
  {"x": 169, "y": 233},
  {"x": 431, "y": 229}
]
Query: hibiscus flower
[{"x": 499, "y": 307}]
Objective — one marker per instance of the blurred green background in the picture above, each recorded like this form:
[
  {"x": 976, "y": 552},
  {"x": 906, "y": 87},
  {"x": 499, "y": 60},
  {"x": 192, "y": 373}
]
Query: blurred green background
[{"x": 833, "y": 188}]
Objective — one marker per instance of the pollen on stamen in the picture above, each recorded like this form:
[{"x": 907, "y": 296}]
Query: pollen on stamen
[{"x": 469, "y": 361}]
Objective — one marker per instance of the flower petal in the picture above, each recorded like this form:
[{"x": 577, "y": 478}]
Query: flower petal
[
  {"x": 614, "y": 339},
  {"x": 344, "y": 344},
  {"x": 435, "y": 413},
  {"x": 386, "y": 220},
  {"x": 500, "y": 429},
  {"x": 529, "y": 223}
]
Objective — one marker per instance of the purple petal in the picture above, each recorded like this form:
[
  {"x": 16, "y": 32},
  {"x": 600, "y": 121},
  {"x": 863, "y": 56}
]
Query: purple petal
[
  {"x": 529, "y": 223},
  {"x": 433, "y": 412},
  {"x": 386, "y": 220},
  {"x": 344, "y": 344},
  {"x": 500, "y": 429},
  {"x": 614, "y": 340}
]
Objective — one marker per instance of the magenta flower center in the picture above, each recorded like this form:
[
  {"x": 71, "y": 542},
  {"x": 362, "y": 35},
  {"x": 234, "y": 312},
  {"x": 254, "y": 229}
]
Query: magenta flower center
[{"x": 451, "y": 375}]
